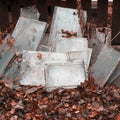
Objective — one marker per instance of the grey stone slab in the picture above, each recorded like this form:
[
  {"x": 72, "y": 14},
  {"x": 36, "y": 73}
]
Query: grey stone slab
[
  {"x": 66, "y": 75},
  {"x": 32, "y": 67},
  {"x": 70, "y": 44},
  {"x": 6, "y": 54},
  {"x": 116, "y": 82},
  {"x": 28, "y": 34},
  {"x": 115, "y": 75},
  {"x": 66, "y": 19},
  {"x": 105, "y": 65}
]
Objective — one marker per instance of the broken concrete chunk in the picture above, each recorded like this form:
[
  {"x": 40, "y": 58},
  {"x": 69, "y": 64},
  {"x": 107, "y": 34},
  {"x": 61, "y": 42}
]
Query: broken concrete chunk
[
  {"x": 68, "y": 75},
  {"x": 105, "y": 65},
  {"x": 30, "y": 12},
  {"x": 30, "y": 32}
]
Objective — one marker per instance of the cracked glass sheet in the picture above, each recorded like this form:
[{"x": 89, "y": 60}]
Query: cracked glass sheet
[
  {"x": 115, "y": 75},
  {"x": 66, "y": 19},
  {"x": 28, "y": 34},
  {"x": 68, "y": 75},
  {"x": 105, "y": 65},
  {"x": 101, "y": 36},
  {"x": 32, "y": 67},
  {"x": 30, "y": 12},
  {"x": 6, "y": 54},
  {"x": 71, "y": 44}
]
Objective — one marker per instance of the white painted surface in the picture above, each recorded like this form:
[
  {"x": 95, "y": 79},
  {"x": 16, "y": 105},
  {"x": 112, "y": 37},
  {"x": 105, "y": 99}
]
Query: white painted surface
[
  {"x": 70, "y": 44},
  {"x": 63, "y": 18},
  {"x": 32, "y": 68},
  {"x": 66, "y": 75},
  {"x": 28, "y": 33}
]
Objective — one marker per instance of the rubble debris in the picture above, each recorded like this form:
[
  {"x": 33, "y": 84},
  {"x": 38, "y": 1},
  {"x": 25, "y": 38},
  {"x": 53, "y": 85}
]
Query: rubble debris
[
  {"x": 30, "y": 32},
  {"x": 109, "y": 59},
  {"x": 87, "y": 101},
  {"x": 30, "y": 12}
]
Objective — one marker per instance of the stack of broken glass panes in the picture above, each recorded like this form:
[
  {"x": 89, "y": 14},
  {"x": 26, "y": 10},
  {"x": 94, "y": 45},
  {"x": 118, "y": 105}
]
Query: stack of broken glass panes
[{"x": 59, "y": 59}]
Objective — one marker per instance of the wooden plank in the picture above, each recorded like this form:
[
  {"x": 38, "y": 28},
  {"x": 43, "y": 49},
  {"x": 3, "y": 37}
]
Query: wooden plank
[
  {"x": 102, "y": 12},
  {"x": 116, "y": 22}
]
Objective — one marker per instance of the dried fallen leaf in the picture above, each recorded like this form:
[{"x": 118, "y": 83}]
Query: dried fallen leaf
[
  {"x": 11, "y": 42},
  {"x": 66, "y": 105},
  {"x": 15, "y": 117},
  {"x": 28, "y": 116},
  {"x": 93, "y": 114},
  {"x": 117, "y": 117},
  {"x": 74, "y": 107},
  {"x": 13, "y": 103},
  {"x": 39, "y": 56}
]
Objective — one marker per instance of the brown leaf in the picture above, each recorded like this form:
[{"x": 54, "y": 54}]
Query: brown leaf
[
  {"x": 11, "y": 42},
  {"x": 89, "y": 106},
  {"x": 66, "y": 105},
  {"x": 93, "y": 114},
  {"x": 74, "y": 107},
  {"x": 14, "y": 118},
  {"x": 39, "y": 56},
  {"x": 117, "y": 117},
  {"x": 28, "y": 116},
  {"x": 13, "y": 103}
]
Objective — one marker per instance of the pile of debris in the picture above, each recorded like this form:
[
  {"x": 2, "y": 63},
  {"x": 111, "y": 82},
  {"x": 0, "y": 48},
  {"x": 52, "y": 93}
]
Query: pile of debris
[
  {"x": 63, "y": 59},
  {"x": 60, "y": 60},
  {"x": 86, "y": 102}
]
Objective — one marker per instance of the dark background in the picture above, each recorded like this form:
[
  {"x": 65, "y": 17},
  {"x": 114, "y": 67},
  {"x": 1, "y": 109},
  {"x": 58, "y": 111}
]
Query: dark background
[{"x": 46, "y": 8}]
